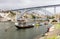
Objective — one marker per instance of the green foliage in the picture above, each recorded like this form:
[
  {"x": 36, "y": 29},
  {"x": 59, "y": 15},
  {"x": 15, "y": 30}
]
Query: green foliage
[
  {"x": 12, "y": 13},
  {"x": 53, "y": 37},
  {"x": 33, "y": 16},
  {"x": 50, "y": 17},
  {"x": 37, "y": 24},
  {"x": 57, "y": 26},
  {"x": 54, "y": 21}
]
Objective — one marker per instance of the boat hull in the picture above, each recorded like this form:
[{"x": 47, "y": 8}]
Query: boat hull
[{"x": 29, "y": 26}]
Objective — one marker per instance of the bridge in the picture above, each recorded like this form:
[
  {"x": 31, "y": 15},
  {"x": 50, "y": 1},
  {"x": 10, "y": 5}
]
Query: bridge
[{"x": 36, "y": 9}]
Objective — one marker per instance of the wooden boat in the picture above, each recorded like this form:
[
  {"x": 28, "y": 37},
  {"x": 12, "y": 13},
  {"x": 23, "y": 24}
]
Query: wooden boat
[
  {"x": 24, "y": 27},
  {"x": 21, "y": 24}
]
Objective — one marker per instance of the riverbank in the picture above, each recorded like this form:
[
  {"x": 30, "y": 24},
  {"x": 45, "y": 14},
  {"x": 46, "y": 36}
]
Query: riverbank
[{"x": 52, "y": 34}]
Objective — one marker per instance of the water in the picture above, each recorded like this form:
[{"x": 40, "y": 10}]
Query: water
[{"x": 14, "y": 33}]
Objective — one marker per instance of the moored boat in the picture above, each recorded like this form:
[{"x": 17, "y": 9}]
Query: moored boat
[
  {"x": 24, "y": 27},
  {"x": 21, "y": 24}
]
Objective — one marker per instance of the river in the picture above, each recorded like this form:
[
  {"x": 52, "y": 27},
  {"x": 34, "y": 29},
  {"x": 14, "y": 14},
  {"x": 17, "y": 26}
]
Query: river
[{"x": 9, "y": 31}]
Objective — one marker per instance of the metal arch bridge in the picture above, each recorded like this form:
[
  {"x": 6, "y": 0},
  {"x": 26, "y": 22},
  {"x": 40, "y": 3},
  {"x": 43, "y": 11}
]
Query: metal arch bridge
[
  {"x": 37, "y": 8},
  {"x": 47, "y": 6}
]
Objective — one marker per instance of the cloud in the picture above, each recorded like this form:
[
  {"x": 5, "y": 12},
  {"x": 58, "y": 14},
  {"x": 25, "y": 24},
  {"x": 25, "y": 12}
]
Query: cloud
[{"x": 16, "y": 4}]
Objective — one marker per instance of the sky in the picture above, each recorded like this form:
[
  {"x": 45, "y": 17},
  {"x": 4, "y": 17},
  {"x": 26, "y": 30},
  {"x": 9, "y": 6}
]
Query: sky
[{"x": 18, "y": 4}]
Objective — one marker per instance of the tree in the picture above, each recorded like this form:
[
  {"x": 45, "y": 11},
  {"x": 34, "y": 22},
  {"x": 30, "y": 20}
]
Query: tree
[{"x": 33, "y": 16}]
